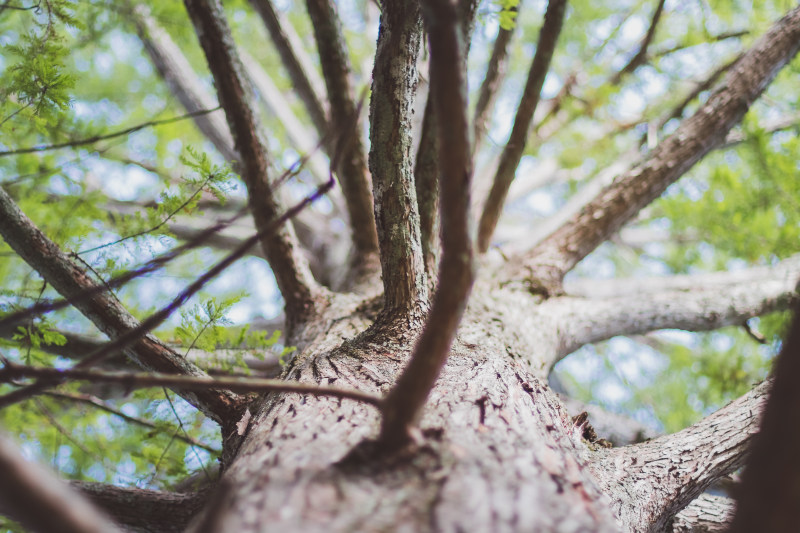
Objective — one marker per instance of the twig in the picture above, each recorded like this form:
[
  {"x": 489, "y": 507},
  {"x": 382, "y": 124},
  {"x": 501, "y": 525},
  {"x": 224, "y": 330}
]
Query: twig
[
  {"x": 144, "y": 379},
  {"x": 96, "y": 138}
]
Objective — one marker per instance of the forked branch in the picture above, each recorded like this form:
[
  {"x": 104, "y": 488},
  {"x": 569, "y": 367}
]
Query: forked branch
[
  {"x": 403, "y": 405},
  {"x": 543, "y": 268}
]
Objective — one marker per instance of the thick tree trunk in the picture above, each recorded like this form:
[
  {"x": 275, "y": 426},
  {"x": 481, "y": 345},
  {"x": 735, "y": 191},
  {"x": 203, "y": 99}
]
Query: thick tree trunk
[{"x": 498, "y": 452}]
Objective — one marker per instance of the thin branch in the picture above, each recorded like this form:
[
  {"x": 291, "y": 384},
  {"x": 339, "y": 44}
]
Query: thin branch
[
  {"x": 136, "y": 334},
  {"x": 183, "y": 82},
  {"x": 495, "y": 72},
  {"x": 649, "y": 483},
  {"x": 404, "y": 403},
  {"x": 393, "y": 81},
  {"x": 299, "y": 68},
  {"x": 352, "y": 168},
  {"x": 103, "y": 137},
  {"x": 692, "y": 303},
  {"x": 132, "y": 380},
  {"x": 97, "y": 403},
  {"x": 641, "y": 55},
  {"x": 300, "y": 292},
  {"x": 770, "y": 489},
  {"x": 101, "y": 307},
  {"x": 35, "y": 497},
  {"x": 512, "y": 153},
  {"x": 544, "y": 267}
]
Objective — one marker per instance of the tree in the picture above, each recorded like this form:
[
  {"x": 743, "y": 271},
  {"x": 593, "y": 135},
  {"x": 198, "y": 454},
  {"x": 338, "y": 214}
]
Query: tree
[{"x": 416, "y": 395}]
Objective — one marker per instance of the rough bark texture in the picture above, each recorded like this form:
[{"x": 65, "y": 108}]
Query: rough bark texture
[{"x": 394, "y": 81}]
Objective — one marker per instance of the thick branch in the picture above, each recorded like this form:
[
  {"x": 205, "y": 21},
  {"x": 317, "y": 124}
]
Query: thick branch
[
  {"x": 405, "y": 401},
  {"x": 393, "y": 82},
  {"x": 299, "y": 290},
  {"x": 512, "y": 153},
  {"x": 649, "y": 483},
  {"x": 544, "y": 266},
  {"x": 141, "y": 509},
  {"x": 352, "y": 167},
  {"x": 770, "y": 489},
  {"x": 103, "y": 308},
  {"x": 692, "y": 303},
  {"x": 39, "y": 500},
  {"x": 706, "y": 514},
  {"x": 288, "y": 46}
]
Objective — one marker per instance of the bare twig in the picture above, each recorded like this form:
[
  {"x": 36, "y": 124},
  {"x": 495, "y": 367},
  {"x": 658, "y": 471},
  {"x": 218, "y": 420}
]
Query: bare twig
[
  {"x": 96, "y": 138},
  {"x": 641, "y": 55},
  {"x": 193, "y": 383},
  {"x": 405, "y": 401},
  {"x": 512, "y": 153}
]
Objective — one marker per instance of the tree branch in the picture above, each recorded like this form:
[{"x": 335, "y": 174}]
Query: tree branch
[
  {"x": 649, "y": 483},
  {"x": 142, "y": 509},
  {"x": 131, "y": 380},
  {"x": 102, "y": 308},
  {"x": 706, "y": 514},
  {"x": 495, "y": 72},
  {"x": 404, "y": 403},
  {"x": 543, "y": 267},
  {"x": 770, "y": 489},
  {"x": 297, "y": 65},
  {"x": 300, "y": 292},
  {"x": 396, "y": 214},
  {"x": 512, "y": 153},
  {"x": 35, "y": 497},
  {"x": 641, "y": 55},
  {"x": 693, "y": 303},
  {"x": 182, "y": 81},
  {"x": 352, "y": 167}
]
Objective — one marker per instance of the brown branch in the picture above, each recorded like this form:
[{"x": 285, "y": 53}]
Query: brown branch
[
  {"x": 651, "y": 482},
  {"x": 35, "y": 497},
  {"x": 183, "y": 82},
  {"x": 543, "y": 267},
  {"x": 101, "y": 307},
  {"x": 131, "y": 380},
  {"x": 300, "y": 292},
  {"x": 97, "y": 403},
  {"x": 512, "y": 153},
  {"x": 770, "y": 489},
  {"x": 142, "y": 509},
  {"x": 495, "y": 72},
  {"x": 102, "y": 137},
  {"x": 127, "y": 340},
  {"x": 404, "y": 403},
  {"x": 393, "y": 81},
  {"x": 352, "y": 168},
  {"x": 279, "y": 31},
  {"x": 641, "y": 55}
]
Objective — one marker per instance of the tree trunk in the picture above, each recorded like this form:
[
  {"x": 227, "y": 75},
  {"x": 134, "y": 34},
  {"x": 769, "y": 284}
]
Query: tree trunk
[{"x": 497, "y": 450}]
